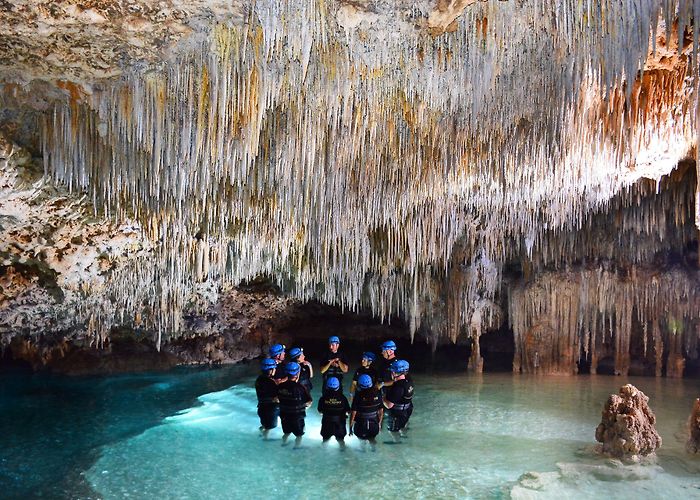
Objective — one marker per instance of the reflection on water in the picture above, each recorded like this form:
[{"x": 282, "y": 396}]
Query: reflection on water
[{"x": 496, "y": 436}]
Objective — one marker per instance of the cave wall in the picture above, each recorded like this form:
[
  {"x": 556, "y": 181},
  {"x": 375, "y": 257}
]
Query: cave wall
[{"x": 420, "y": 161}]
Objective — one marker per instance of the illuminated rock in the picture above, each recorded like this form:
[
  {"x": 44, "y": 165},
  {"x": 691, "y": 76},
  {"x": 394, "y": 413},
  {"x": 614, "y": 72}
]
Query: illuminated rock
[{"x": 628, "y": 427}]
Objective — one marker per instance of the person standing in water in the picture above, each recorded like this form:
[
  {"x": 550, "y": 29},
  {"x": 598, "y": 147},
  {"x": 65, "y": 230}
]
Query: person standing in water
[
  {"x": 399, "y": 399},
  {"x": 384, "y": 369},
  {"x": 266, "y": 390},
  {"x": 294, "y": 400},
  {"x": 277, "y": 352},
  {"x": 333, "y": 363},
  {"x": 365, "y": 368},
  {"x": 334, "y": 407},
  {"x": 366, "y": 411},
  {"x": 307, "y": 371}
]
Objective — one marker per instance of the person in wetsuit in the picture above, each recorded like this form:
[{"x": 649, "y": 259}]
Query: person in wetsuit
[
  {"x": 266, "y": 390},
  {"x": 294, "y": 400},
  {"x": 333, "y": 364},
  {"x": 398, "y": 399},
  {"x": 365, "y": 368},
  {"x": 383, "y": 367},
  {"x": 277, "y": 352},
  {"x": 334, "y": 407},
  {"x": 366, "y": 411},
  {"x": 307, "y": 371}
]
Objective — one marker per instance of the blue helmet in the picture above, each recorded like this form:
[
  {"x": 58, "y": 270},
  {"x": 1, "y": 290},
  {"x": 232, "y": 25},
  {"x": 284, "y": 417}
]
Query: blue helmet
[
  {"x": 276, "y": 350},
  {"x": 364, "y": 381},
  {"x": 399, "y": 366},
  {"x": 293, "y": 368},
  {"x": 333, "y": 383},
  {"x": 334, "y": 339},
  {"x": 389, "y": 345},
  {"x": 268, "y": 364},
  {"x": 295, "y": 352},
  {"x": 369, "y": 356}
]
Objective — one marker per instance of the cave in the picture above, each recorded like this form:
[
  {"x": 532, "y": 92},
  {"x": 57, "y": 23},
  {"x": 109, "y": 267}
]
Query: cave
[{"x": 192, "y": 192}]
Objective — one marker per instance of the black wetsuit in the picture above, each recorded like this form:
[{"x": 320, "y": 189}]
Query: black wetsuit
[
  {"x": 293, "y": 398},
  {"x": 268, "y": 408},
  {"x": 334, "y": 406},
  {"x": 366, "y": 371},
  {"x": 367, "y": 404},
  {"x": 333, "y": 371},
  {"x": 384, "y": 369},
  {"x": 401, "y": 394},
  {"x": 281, "y": 371},
  {"x": 305, "y": 377}
]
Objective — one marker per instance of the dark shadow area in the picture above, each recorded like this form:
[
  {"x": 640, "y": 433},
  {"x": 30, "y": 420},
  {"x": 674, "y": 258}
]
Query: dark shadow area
[
  {"x": 692, "y": 368},
  {"x": 10, "y": 365},
  {"x": 361, "y": 332},
  {"x": 583, "y": 364},
  {"x": 498, "y": 349},
  {"x": 606, "y": 366}
]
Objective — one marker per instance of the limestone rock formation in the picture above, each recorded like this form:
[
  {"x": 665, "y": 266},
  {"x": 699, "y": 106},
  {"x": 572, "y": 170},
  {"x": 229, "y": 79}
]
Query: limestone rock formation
[
  {"x": 628, "y": 427},
  {"x": 87, "y": 40},
  {"x": 415, "y": 159},
  {"x": 239, "y": 325},
  {"x": 57, "y": 256},
  {"x": 693, "y": 444}
]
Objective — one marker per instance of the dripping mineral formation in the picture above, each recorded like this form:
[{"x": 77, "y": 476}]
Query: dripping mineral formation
[
  {"x": 420, "y": 160},
  {"x": 628, "y": 429}
]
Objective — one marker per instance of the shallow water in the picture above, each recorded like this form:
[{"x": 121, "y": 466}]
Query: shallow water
[{"x": 147, "y": 436}]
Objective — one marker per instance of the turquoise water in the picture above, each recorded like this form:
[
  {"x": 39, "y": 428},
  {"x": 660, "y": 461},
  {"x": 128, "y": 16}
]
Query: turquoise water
[{"x": 193, "y": 434}]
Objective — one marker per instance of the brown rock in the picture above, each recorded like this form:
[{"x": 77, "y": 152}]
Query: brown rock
[
  {"x": 693, "y": 444},
  {"x": 627, "y": 427}
]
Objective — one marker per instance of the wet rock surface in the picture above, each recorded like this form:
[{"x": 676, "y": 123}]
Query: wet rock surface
[
  {"x": 627, "y": 428},
  {"x": 693, "y": 444}
]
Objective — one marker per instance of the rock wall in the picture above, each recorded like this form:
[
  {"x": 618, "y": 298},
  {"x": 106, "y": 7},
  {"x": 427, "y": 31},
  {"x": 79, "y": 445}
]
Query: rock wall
[
  {"x": 415, "y": 159},
  {"x": 626, "y": 288},
  {"x": 59, "y": 261},
  {"x": 53, "y": 249}
]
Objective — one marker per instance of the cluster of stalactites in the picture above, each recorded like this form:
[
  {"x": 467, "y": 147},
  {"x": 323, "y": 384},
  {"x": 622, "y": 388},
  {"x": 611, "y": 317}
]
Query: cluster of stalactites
[
  {"x": 637, "y": 225},
  {"x": 346, "y": 163},
  {"x": 560, "y": 318}
]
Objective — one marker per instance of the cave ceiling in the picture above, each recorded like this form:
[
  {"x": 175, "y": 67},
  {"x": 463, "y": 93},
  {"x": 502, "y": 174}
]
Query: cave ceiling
[{"x": 351, "y": 150}]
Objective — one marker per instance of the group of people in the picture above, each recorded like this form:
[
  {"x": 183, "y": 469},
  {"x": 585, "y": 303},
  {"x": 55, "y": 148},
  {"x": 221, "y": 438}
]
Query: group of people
[{"x": 378, "y": 394}]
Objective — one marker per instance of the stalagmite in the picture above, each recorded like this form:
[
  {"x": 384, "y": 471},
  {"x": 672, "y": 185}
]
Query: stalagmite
[
  {"x": 693, "y": 444},
  {"x": 627, "y": 429}
]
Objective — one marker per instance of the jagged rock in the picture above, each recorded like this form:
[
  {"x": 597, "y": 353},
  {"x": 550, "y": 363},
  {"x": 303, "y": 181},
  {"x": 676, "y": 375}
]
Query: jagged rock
[
  {"x": 368, "y": 213},
  {"x": 693, "y": 444},
  {"x": 627, "y": 427}
]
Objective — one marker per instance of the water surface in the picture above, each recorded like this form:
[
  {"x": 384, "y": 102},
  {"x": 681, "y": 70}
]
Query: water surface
[{"x": 495, "y": 436}]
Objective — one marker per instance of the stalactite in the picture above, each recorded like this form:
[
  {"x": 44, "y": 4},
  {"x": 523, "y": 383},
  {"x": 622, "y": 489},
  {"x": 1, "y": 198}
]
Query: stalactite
[
  {"x": 595, "y": 296},
  {"x": 347, "y": 164}
]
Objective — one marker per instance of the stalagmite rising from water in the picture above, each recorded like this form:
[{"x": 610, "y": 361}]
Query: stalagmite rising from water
[
  {"x": 390, "y": 158},
  {"x": 627, "y": 428}
]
